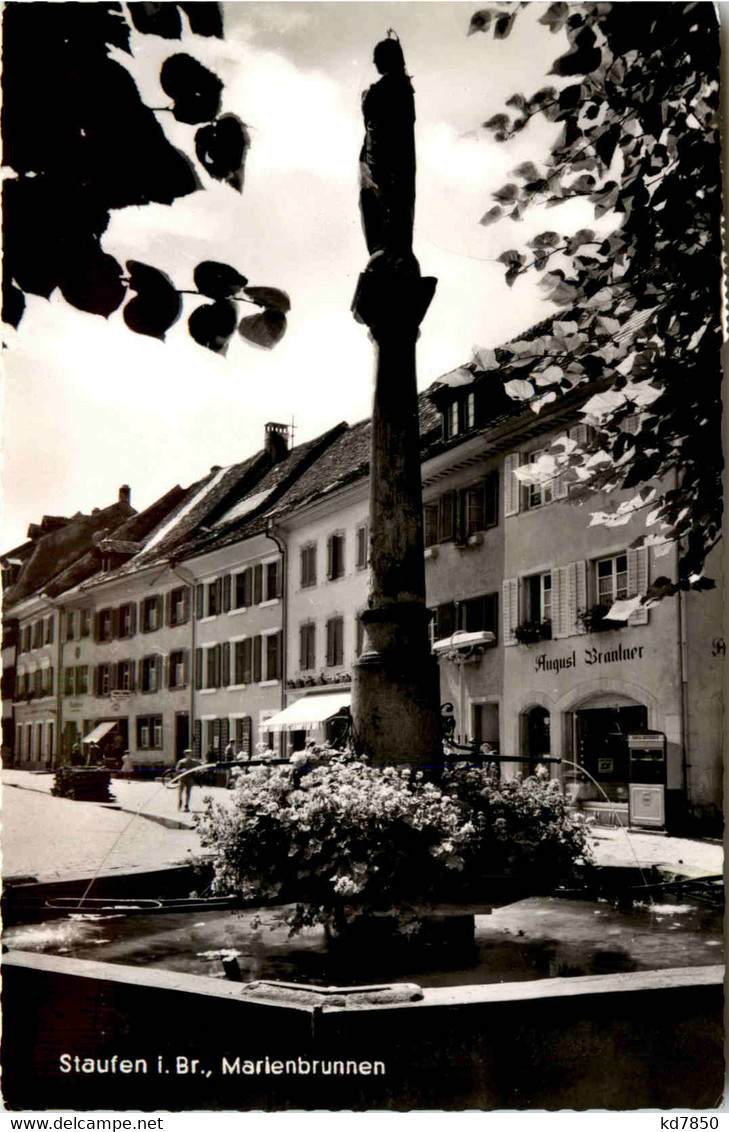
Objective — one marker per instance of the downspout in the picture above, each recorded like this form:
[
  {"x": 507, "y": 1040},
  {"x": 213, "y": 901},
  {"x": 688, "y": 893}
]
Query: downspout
[
  {"x": 275, "y": 538},
  {"x": 191, "y": 583},
  {"x": 59, "y": 686},
  {"x": 682, "y": 672}
]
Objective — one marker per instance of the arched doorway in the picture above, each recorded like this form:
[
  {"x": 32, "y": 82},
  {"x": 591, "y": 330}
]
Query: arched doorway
[
  {"x": 600, "y": 727},
  {"x": 537, "y": 740}
]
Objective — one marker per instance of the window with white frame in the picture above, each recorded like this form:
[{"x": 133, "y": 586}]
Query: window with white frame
[
  {"x": 82, "y": 679},
  {"x": 243, "y": 661},
  {"x": 243, "y": 589},
  {"x": 538, "y": 597},
  {"x": 149, "y": 732},
  {"x": 612, "y": 579},
  {"x": 179, "y": 605},
  {"x": 70, "y": 623},
  {"x": 49, "y": 630},
  {"x": 537, "y": 494},
  {"x": 69, "y": 680},
  {"x": 84, "y": 623},
  {"x": 125, "y": 620},
  {"x": 150, "y": 673},
  {"x": 273, "y": 580},
  {"x": 125, "y": 675},
  {"x": 273, "y": 656},
  {"x": 177, "y": 670},
  {"x": 151, "y": 618}
]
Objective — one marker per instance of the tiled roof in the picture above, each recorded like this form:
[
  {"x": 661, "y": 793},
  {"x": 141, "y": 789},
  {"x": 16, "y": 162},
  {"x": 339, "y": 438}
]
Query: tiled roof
[{"x": 57, "y": 551}]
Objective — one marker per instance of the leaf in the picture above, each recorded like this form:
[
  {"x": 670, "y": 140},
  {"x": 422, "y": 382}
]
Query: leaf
[
  {"x": 218, "y": 280},
  {"x": 555, "y": 16},
  {"x": 263, "y": 330},
  {"x": 518, "y": 389},
  {"x": 545, "y": 240},
  {"x": 492, "y": 215},
  {"x": 527, "y": 170},
  {"x": 91, "y": 281},
  {"x": 194, "y": 89},
  {"x": 221, "y": 149},
  {"x": 157, "y": 305},
  {"x": 518, "y": 101},
  {"x": 497, "y": 122},
  {"x": 270, "y": 297},
  {"x": 580, "y": 62},
  {"x": 503, "y": 26},
  {"x": 156, "y": 19},
  {"x": 212, "y": 325},
  {"x": 485, "y": 358},
  {"x": 480, "y": 21},
  {"x": 506, "y": 194}
]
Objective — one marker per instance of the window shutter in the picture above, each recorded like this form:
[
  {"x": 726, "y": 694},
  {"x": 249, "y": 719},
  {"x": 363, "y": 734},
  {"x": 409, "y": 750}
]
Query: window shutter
[
  {"x": 115, "y": 623},
  {"x": 638, "y": 582},
  {"x": 303, "y": 632},
  {"x": 330, "y": 643},
  {"x": 576, "y": 574},
  {"x": 226, "y": 593},
  {"x": 51, "y": 629},
  {"x": 257, "y": 660},
  {"x": 225, "y": 651},
  {"x": 560, "y": 602},
  {"x": 199, "y": 601},
  {"x": 279, "y": 656},
  {"x": 198, "y": 668},
  {"x": 246, "y": 741},
  {"x": 168, "y": 608},
  {"x": 475, "y": 509},
  {"x": 511, "y": 486},
  {"x": 186, "y": 604},
  {"x": 330, "y": 556},
  {"x": 224, "y": 732},
  {"x": 257, "y": 584},
  {"x": 97, "y": 622},
  {"x": 97, "y": 680},
  {"x": 197, "y": 739},
  {"x": 510, "y": 591},
  {"x": 160, "y": 610},
  {"x": 491, "y": 500},
  {"x": 579, "y": 433},
  {"x": 186, "y": 667}
]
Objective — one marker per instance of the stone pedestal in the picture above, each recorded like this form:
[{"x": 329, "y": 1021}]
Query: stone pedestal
[{"x": 395, "y": 702}]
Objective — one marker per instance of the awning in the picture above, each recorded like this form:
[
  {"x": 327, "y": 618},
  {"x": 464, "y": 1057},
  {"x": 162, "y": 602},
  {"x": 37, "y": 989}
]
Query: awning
[
  {"x": 462, "y": 640},
  {"x": 308, "y": 711},
  {"x": 99, "y": 732}
]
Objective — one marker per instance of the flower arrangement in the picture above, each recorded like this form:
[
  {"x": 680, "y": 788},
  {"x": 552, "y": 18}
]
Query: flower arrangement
[
  {"x": 594, "y": 620},
  {"x": 345, "y": 841},
  {"x": 529, "y": 632}
]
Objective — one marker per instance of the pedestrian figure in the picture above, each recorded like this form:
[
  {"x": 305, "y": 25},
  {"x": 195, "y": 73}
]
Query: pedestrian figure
[{"x": 184, "y": 790}]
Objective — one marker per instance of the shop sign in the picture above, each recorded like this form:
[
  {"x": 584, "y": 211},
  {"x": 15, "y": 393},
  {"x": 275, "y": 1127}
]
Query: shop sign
[
  {"x": 74, "y": 705},
  {"x": 588, "y": 657}
]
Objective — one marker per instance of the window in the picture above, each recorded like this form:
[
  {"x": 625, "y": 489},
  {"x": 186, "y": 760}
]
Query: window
[
  {"x": 257, "y": 584},
  {"x": 214, "y": 598},
  {"x": 49, "y": 630},
  {"x": 48, "y": 681},
  {"x": 335, "y": 641},
  {"x": 538, "y": 593},
  {"x": 308, "y": 565},
  {"x": 106, "y": 626},
  {"x": 362, "y": 546},
  {"x": 470, "y": 411},
  {"x": 451, "y": 420},
  {"x": 212, "y": 667},
  {"x": 103, "y": 680},
  {"x": 84, "y": 623},
  {"x": 149, "y": 732},
  {"x": 39, "y": 739},
  {"x": 335, "y": 557},
  {"x": 538, "y": 494},
  {"x": 151, "y": 614},
  {"x": 243, "y": 729},
  {"x": 126, "y": 625},
  {"x": 460, "y": 415},
  {"x": 179, "y": 600},
  {"x": 82, "y": 680},
  {"x": 273, "y": 656},
  {"x": 69, "y": 627},
  {"x": 25, "y": 636},
  {"x": 478, "y": 614},
  {"x": 307, "y": 646},
  {"x": 444, "y": 621},
  {"x": 612, "y": 579},
  {"x": 478, "y": 506},
  {"x": 446, "y": 517},
  {"x": 150, "y": 673},
  {"x": 243, "y": 589},
  {"x": 38, "y": 635},
  {"x": 68, "y": 681},
  {"x": 243, "y": 661},
  {"x": 177, "y": 673},
  {"x": 430, "y": 523},
  {"x": 125, "y": 676},
  {"x": 272, "y": 580}
]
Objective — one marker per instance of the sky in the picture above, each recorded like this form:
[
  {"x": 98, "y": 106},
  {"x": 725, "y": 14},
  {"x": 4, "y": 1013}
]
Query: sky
[{"x": 88, "y": 405}]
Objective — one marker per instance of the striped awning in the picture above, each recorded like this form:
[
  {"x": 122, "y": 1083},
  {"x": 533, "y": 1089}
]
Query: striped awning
[
  {"x": 99, "y": 732},
  {"x": 308, "y": 712}
]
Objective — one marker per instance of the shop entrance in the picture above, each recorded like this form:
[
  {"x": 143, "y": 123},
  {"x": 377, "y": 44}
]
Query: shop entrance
[
  {"x": 601, "y": 747},
  {"x": 182, "y": 733}
]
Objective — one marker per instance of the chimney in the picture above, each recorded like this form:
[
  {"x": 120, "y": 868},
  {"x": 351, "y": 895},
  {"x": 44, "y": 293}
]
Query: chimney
[
  {"x": 277, "y": 441},
  {"x": 125, "y": 494}
]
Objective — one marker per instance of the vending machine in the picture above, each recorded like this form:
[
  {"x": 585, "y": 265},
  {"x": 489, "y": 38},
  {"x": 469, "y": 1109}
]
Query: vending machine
[{"x": 647, "y": 780}]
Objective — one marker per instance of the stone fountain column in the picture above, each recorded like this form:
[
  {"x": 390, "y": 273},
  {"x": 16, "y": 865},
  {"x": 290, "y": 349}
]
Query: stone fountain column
[{"x": 395, "y": 703}]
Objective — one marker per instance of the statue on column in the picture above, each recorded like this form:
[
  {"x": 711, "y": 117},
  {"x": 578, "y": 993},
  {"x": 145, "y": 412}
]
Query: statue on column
[{"x": 387, "y": 164}]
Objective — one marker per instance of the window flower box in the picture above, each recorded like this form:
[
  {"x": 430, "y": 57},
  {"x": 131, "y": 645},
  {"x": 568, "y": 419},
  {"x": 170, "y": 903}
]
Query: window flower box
[{"x": 530, "y": 632}]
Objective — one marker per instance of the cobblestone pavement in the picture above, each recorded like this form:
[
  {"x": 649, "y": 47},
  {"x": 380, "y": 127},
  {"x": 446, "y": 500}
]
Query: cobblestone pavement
[{"x": 46, "y": 836}]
